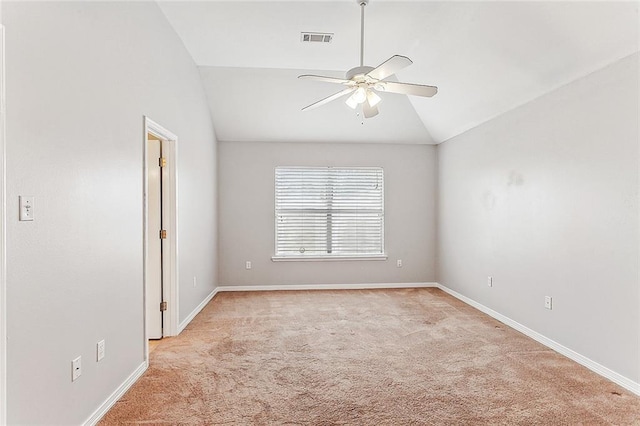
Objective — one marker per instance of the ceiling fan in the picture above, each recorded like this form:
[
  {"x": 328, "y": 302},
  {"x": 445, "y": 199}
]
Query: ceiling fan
[{"x": 362, "y": 82}]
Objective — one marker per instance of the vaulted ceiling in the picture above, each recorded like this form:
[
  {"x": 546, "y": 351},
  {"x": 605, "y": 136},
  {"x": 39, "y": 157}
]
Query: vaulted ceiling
[{"x": 485, "y": 57}]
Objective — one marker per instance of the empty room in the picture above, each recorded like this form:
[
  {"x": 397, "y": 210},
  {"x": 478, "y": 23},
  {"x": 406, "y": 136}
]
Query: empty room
[{"x": 347, "y": 212}]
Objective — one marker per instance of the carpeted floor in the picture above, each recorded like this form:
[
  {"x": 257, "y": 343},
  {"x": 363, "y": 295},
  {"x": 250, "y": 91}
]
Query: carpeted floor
[{"x": 363, "y": 357}]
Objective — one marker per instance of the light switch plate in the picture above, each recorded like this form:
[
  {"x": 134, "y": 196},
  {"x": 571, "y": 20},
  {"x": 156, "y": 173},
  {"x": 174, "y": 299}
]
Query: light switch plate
[{"x": 26, "y": 208}]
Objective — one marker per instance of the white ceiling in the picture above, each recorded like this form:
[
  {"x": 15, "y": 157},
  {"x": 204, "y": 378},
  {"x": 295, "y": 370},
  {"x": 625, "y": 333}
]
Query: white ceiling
[{"x": 485, "y": 57}]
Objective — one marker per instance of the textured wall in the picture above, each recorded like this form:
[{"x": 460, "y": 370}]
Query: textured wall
[
  {"x": 80, "y": 76},
  {"x": 247, "y": 213},
  {"x": 545, "y": 200}
]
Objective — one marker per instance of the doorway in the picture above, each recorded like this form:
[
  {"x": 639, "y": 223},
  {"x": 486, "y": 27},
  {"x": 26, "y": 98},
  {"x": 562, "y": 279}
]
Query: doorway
[
  {"x": 160, "y": 255},
  {"x": 153, "y": 292}
]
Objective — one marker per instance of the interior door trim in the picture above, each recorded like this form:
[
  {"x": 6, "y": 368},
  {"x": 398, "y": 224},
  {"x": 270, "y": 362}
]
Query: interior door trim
[{"x": 170, "y": 257}]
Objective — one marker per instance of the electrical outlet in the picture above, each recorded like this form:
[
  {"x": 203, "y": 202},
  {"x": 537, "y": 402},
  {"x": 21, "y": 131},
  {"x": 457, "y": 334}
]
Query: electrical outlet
[
  {"x": 490, "y": 281},
  {"x": 247, "y": 265},
  {"x": 548, "y": 302},
  {"x": 100, "y": 350},
  {"x": 399, "y": 263},
  {"x": 195, "y": 281},
  {"x": 76, "y": 368}
]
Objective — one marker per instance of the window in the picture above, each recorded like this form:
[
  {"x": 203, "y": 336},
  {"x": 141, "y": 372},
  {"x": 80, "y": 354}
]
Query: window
[{"x": 329, "y": 212}]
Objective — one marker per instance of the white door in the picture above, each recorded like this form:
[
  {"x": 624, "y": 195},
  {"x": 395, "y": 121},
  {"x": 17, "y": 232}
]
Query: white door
[{"x": 154, "y": 243}]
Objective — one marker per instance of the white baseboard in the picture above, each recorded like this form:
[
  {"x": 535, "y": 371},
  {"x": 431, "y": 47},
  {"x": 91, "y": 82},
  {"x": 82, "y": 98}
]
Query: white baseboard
[
  {"x": 197, "y": 310},
  {"x": 323, "y": 286},
  {"x": 621, "y": 380},
  {"x": 115, "y": 396}
]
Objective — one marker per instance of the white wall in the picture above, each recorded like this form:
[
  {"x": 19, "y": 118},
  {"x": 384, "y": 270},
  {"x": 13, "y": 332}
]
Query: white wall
[
  {"x": 80, "y": 77},
  {"x": 246, "y": 214},
  {"x": 3, "y": 299},
  {"x": 545, "y": 199}
]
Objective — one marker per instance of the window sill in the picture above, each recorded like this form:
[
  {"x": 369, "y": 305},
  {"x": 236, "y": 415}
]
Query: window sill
[{"x": 327, "y": 258}]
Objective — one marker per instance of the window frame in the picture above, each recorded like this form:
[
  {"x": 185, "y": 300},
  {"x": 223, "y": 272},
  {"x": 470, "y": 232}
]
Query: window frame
[{"x": 328, "y": 257}]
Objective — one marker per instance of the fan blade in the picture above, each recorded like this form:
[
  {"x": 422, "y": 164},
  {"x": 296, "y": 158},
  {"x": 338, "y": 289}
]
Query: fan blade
[
  {"x": 368, "y": 110},
  {"x": 390, "y": 66},
  {"x": 325, "y": 79},
  {"x": 408, "y": 88},
  {"x": 329, "y": 98}
]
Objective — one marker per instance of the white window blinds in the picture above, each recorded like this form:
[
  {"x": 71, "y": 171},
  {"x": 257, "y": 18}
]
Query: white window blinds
[{"x": 329, "y": 211}]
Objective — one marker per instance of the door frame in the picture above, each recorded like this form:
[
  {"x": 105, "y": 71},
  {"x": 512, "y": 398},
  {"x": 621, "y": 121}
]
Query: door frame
[
  {"x": 3, "y": 252},
  {"x": 170, "y": 256}
]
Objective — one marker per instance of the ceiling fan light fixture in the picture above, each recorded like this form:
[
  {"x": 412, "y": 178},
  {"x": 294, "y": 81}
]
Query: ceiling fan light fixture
[
  {"x": 351, "y": 102},
  {"x": 373, "y": 98},
  {"x": 360, "y": 95}
]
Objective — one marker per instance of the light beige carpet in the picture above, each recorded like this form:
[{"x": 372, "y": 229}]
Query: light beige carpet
[{"x": 363, "y": 357}]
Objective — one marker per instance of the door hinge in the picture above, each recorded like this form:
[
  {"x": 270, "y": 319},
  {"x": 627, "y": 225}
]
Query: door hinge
[
  {"x": 163, "y": 234},
  {"x": 163, "y": 306},
  {"x": 162, "y": 161}
]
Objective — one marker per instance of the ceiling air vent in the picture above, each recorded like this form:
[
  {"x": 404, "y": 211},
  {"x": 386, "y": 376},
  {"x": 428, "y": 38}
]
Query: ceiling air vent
[{"x": 316, "y": 37}]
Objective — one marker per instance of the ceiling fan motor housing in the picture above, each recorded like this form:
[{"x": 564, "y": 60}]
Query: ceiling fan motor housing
[{"x": 358, "y": 74}]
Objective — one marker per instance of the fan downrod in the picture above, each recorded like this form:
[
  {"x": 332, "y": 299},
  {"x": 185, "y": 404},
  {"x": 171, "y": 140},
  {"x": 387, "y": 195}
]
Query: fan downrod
[{"x": 362, "y": 4}]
